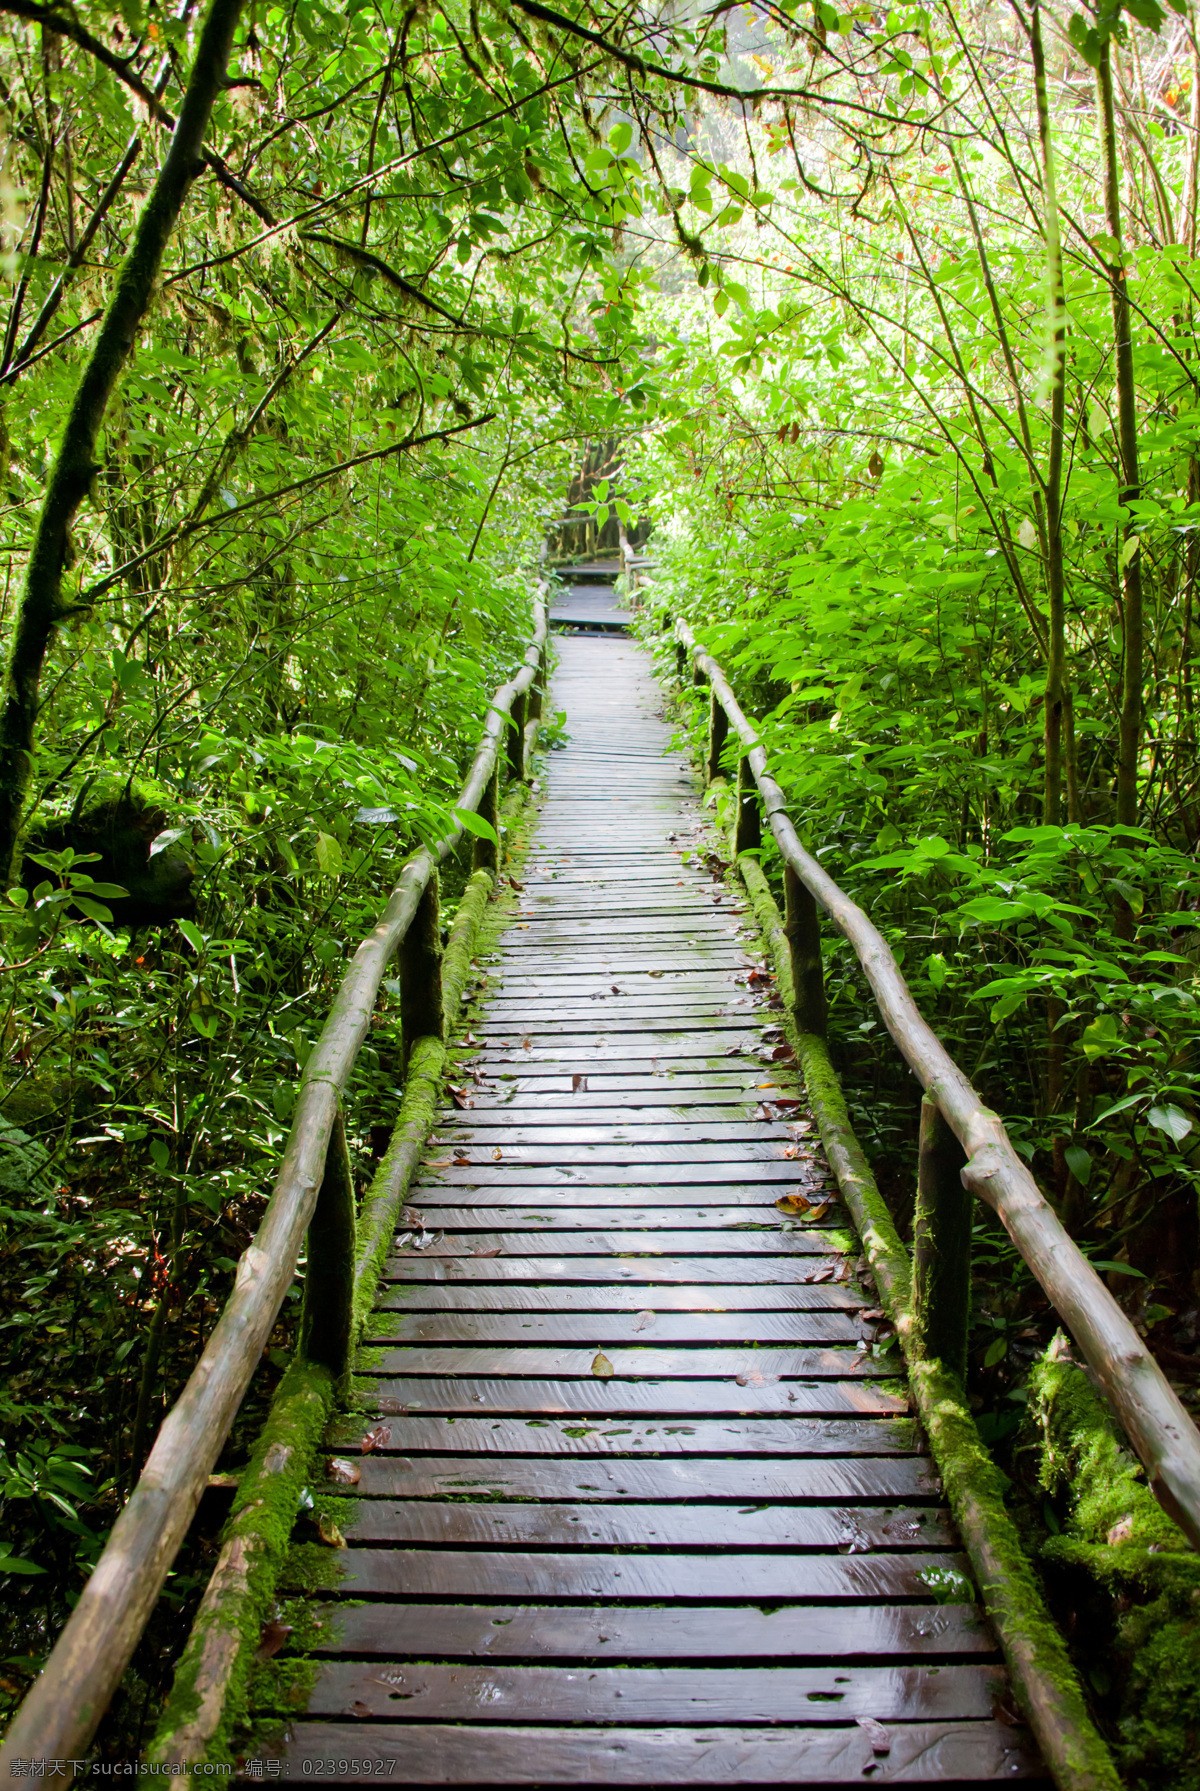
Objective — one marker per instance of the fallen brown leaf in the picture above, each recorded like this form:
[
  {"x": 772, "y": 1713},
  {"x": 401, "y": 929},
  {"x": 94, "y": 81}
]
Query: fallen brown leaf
[
  {"x": 378, "y": 1438},
  {"x": 494, "y": 1251},
  {"x": 271, "y": 1638},
  {"x": 460, "y": 1097},
  {"x": 328, "y": 1531},
  {"x": 441, "y": 1163},
  {"x": 754, "y": 1377},
  {"x": 794, "y": 1203},
  {"x": 497, "y": 1154},
  {"x": 602, "y": 1368},
  {"x": 644, "y": 1320},
  {"x": 344, "y": 1472}
]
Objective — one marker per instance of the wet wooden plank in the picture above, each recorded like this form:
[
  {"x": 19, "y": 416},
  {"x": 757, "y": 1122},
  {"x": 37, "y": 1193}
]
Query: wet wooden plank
[
  {"x": 851, "y": 1480},
  {"x": 614, "y": 1632},
  {"x": 728, "y": 1243},
  {"x": 646, "y": 1361},
  {"x": 828, "y": 1296},
  {"x": 746, "y": 1164},
  {"x": 482, "y": 1754},
  {"x": 571, "y": 1166},
  {"x": 429, "y": 1691},
  {"x": 593, "y": 1398},
  {"x": 604, "y": 1438},
  {"x": 494, "y": 1524},
  {"x": 678, "y": 1199},
  {"x": 522, "y": 1215},
  {"x": 593, "y": 1328},
  {"x": 764, "y": 1575},
  {"x": 422, "y": 1266}
]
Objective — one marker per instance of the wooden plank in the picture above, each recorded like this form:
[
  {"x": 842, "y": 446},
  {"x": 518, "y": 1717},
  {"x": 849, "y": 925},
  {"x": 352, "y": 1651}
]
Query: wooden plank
[
  {"x": 645, "y": 1125},
  {"x": 522, "y": 1215},
  {"x": 795, "y": 1438},
  {"x": 633, "y": 1243},
  {"x": 853, "y": 1479},
  {"x": 585, "y": 1173},
  {"x": 706, "y": 1297},
  {"x": 616, "y": 1327},
  {"x": 482, "y": 1754},
  {"x": 601, "y": 1399},
  {"x": 763, "y": 1575},
  {"x": 745, "y": 1202},
  {"x": 690, "y": 1632},
  {"x": 645, "y": 1271},
  {"x": 429, "y": 1691},
  {"x": 642, "y": 1363},
  {"x": 744, "y": 1164}
]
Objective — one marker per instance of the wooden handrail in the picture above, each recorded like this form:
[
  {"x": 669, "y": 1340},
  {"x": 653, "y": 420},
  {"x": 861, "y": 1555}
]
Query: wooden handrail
[
  {"x": 60, "y": 1714},
  {"x": 1154, "y": 1418}
]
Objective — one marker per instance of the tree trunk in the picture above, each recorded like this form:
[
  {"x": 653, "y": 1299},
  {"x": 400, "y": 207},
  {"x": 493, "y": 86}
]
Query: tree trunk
[
  {"x": 1132, "y": 643},
  {"x": 42, "y": 608},
  {"x": 1056, "y": 649}
]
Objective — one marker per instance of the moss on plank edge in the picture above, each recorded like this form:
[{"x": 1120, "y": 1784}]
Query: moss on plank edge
[
  {"x": 209, "y": 1694},
  {"x": 1042, "y": 1672}
]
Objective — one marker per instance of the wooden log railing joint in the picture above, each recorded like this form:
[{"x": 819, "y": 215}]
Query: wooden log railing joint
[
  {"x": 718, "y": 731},
  {"x": 941, "y": 1246},
  {"x": 327, "y": 1315},
  {"x": 420, "y": 959},
  {"x": 803, "y": 929},
  {"x": 1154, "y": 1417},
  {"x": 747, "y": 830}
]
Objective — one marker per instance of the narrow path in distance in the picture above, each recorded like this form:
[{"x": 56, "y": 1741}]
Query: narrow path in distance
[{"x": 644, "y": 1507}]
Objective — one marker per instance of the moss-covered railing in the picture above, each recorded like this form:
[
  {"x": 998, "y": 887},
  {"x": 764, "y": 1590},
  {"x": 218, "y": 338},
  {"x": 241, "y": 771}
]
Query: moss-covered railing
[
  {"x": 313, "y": 1196},
  {"x": 964, "y": 1150}
]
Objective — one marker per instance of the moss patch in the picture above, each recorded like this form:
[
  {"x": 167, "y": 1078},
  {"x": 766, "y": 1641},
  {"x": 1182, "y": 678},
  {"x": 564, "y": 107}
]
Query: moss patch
[{"x": 1124, "y": 1570}]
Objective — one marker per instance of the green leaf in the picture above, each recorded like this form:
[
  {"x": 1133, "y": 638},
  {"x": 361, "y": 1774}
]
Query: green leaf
[
  {"x": 620, "y": 137},
  {"x": 192, "y": 934},
  {"x": 1171, "y": 1120},
  {"x": 470, "y": 822},
  {"x": 1118, "y": 1268},
  {"x": 329, "y": 855},
  {"x": 1079, "y": 1163},
  {"x": 1100, "y": 1037},
  {"x": 996, "y": 1352}
]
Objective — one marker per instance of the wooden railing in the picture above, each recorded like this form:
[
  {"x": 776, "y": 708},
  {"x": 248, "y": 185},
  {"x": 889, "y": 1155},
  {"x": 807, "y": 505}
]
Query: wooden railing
[
  {"x": 1154, "y": 1419},
  {"x": 59, "y": 1716}
]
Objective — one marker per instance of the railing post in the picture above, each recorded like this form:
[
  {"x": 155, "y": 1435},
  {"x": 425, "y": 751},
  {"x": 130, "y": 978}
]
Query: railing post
[
  {"x": 420, "y": 957},
  {"x": 680, "y": 661},
  {"x": 718, "y": 730},
  {"x": 326, "y": 1319},
  {"x": 803, "y": 931},
  {"x": 698, "y": 678},
  {"x": 516, "y": 739},
  {"x": 539, "y": 688},
  {"x": 485, "y": 854},
  {"x": 747, "y": 832},
  {"x": 941, "y": 1244}
]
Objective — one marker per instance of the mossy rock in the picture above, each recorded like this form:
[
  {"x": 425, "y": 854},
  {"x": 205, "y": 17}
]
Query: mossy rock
[
  {"x": 1121, "y": 1558},
  {"x": 119, "y": 827}
]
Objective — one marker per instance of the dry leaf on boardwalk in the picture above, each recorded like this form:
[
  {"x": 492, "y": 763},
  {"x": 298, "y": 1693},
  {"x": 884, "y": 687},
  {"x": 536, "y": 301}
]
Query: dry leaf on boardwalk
[
  {"x": 644, "y": 1320},
  {"x": 271, "y": 1638},
  {"x": 460, "y": 1097},
  {"x": 578, "y": 1084},
  {"x": 344, "y": 1472},
  {"x": 328, "y": 1531},
  {"x": 378, "y": 1438},
  {"x": 602, "y": 1368}
]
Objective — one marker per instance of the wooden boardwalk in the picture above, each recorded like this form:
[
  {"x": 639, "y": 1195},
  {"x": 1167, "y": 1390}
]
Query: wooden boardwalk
[{"x": 644, "y": 1505}]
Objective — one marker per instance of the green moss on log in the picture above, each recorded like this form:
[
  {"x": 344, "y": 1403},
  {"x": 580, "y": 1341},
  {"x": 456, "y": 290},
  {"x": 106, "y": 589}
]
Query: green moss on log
[
  {"x": 1119, "y": 1553},
  {"x": 209, "y": 1694}
]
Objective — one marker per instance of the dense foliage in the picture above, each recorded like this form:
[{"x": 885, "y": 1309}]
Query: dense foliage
[{"x": 894, "y": 315}]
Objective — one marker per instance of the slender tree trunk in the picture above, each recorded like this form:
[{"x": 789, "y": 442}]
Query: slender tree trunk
[
  {"x": 1056, "y": 314},
  {"x": 42, "y": 607},
  {"x": 1132, "y": 643}
]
